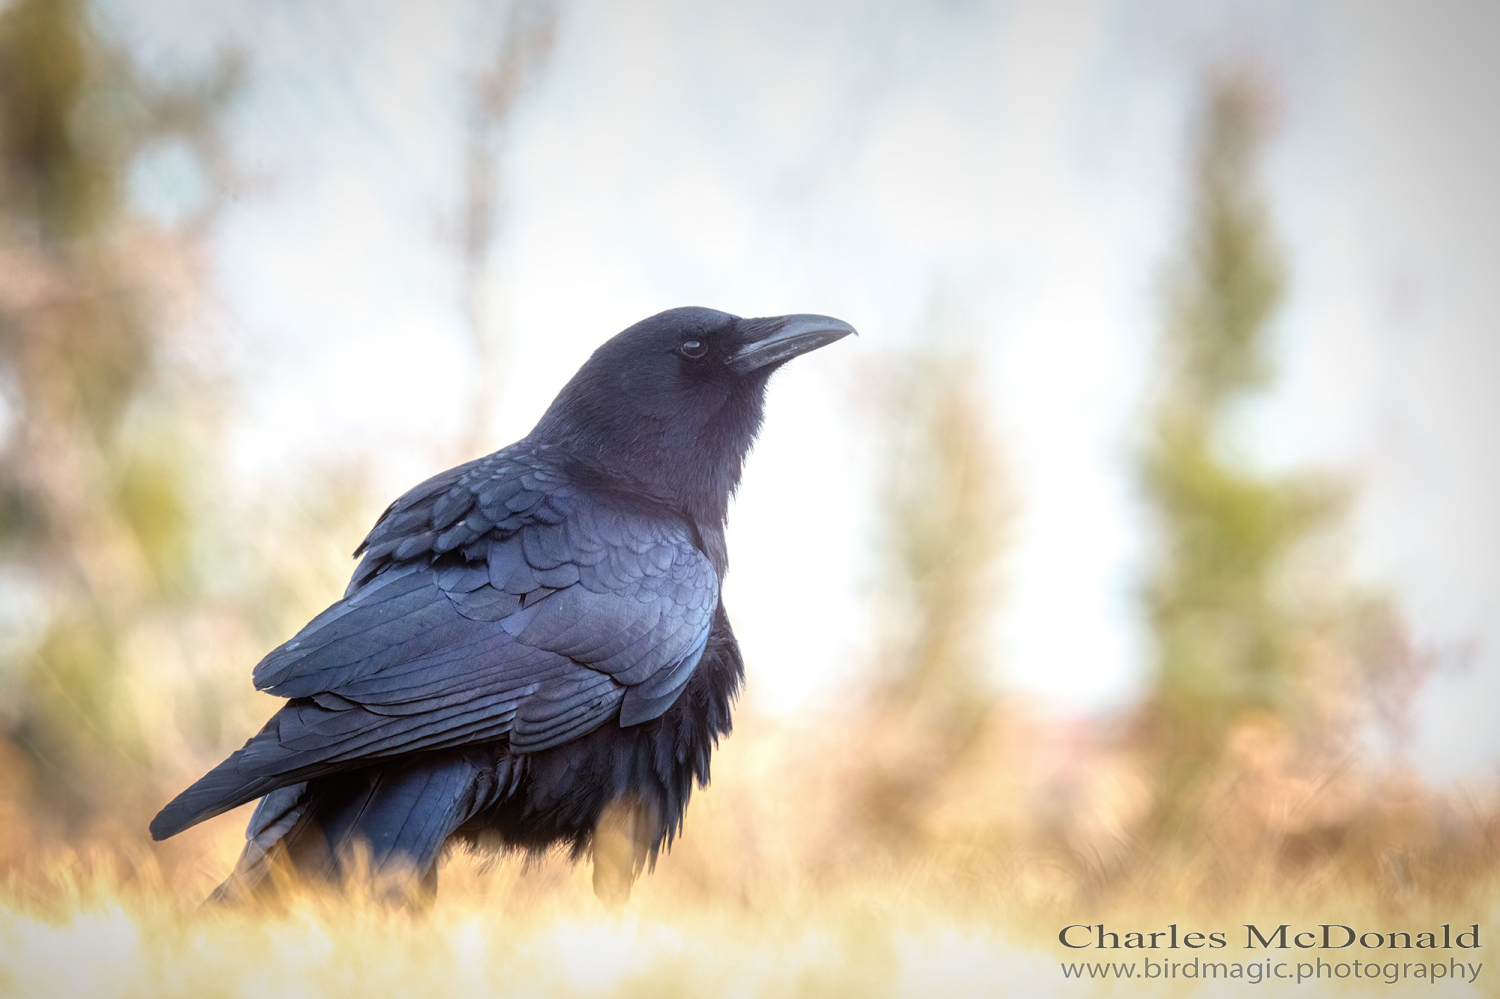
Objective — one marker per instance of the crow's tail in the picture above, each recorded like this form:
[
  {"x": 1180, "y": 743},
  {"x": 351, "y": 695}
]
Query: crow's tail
[{"x": 388, "y": 824}]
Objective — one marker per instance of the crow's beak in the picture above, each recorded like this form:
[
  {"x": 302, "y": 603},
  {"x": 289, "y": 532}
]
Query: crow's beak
[{"x": 781, "y": 338}]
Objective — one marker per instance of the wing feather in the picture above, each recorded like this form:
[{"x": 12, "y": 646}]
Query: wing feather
[{"x": 561, "y": 614}]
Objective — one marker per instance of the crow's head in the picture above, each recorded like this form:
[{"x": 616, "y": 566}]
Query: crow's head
[{"x": 670, "y": 406}]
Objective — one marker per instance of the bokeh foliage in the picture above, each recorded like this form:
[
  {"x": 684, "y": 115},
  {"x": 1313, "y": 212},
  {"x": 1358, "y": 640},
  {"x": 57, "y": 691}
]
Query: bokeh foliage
[
  {"x": 1256, "y": 627},
  {"x": 1223, "y": 629},
  {"x": 99, "y": 492}
]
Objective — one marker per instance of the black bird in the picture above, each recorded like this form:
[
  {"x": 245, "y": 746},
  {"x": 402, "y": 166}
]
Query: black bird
[{"x": 532, "y": 650}]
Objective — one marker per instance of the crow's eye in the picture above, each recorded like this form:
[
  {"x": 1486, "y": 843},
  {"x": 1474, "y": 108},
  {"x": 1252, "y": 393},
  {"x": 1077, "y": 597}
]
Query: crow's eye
[{"x": 693, "y": 349}]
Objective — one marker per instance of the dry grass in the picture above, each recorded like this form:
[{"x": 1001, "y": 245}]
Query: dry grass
[
  {"x": 493, "y": 934},
  {"x": 782, "y": 887}
]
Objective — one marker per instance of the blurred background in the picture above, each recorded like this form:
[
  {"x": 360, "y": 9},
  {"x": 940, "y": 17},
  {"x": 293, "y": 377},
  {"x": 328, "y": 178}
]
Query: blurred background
[{"x": 1148, "y": 527}]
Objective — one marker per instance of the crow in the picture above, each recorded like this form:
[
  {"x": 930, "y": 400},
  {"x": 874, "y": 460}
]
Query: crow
[{"x": 532, "y": 651}]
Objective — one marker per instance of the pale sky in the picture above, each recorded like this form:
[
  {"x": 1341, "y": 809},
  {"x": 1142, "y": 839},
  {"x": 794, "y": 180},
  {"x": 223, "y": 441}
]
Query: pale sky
[{"x": 1017, "y": 166}]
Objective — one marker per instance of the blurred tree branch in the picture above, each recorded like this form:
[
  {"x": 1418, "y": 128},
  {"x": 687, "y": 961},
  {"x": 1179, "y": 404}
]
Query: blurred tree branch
[
  {"x": 946, "y": 508},
  {"x": 526, "y": 42}
]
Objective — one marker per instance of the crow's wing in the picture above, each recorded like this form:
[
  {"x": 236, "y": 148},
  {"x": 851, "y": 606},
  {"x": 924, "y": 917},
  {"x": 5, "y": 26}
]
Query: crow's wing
[{"x": 493, "y": 601}]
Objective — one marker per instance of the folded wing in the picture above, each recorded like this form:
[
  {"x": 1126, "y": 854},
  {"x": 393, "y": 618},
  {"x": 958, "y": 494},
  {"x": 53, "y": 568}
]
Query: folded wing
[{"x": 492, "y": 603}]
